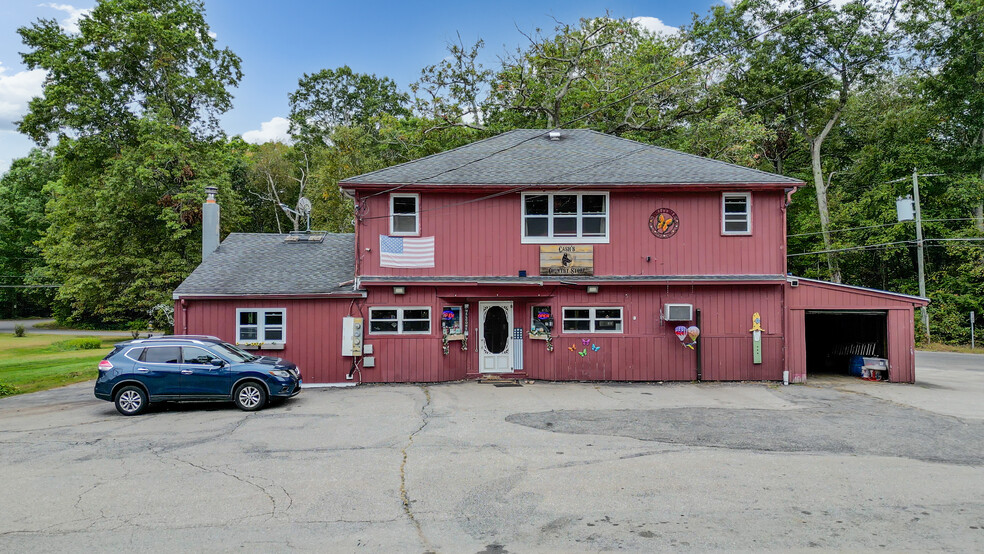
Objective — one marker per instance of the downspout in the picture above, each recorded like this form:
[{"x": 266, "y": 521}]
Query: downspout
[
  {"x": 184, "y": 316},
  {"x": 698, "y": 341}
]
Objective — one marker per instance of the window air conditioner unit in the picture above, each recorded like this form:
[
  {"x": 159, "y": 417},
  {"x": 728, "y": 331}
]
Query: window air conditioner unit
[{"x": 678, "y": 312}]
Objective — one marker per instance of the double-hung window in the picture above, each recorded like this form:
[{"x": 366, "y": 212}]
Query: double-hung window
[
  {"x": 571, "y": 217},
  {"x": 404, "y": 214},
  {"x": 399, "y": 321},
  {"x": 592, "y": 320},
  {"x": 261, "y": 326},
  {"x": 736, "y": 213}
]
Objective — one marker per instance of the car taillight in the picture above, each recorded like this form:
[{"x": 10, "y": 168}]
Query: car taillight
[{"x": 105, "y": 365}]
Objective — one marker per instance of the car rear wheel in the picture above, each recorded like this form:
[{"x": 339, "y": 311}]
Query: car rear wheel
[
  {"x": 131, "y": 400},
  {"x": 249, "y": 396}
]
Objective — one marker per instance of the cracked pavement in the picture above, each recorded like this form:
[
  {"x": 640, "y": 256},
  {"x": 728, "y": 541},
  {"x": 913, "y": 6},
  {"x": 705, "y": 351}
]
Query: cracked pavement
[{"x": 465, "y": 467}]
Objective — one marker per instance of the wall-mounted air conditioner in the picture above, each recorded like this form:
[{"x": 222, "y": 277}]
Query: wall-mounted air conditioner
[
  {"x": 351, "y": 336},
  {"x": 678, "y": 312}
]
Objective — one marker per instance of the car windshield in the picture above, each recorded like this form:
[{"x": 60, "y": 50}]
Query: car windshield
[{"x": 234, "y": 353}]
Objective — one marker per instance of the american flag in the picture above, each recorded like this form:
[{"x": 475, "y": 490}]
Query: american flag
[{"x": 406, "y": 251}]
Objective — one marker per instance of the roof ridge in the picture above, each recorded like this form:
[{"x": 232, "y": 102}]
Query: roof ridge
[{"x": 415, "y": 160}]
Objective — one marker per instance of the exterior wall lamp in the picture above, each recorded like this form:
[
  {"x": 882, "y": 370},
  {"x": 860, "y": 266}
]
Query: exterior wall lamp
[
  {"x": 592, "y": 289},
  {"x": 399, "y": 290}
]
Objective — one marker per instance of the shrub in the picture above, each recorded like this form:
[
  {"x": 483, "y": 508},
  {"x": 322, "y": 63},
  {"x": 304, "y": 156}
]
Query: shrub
[
  {"x": 18, "y": 330},
  {"x": 7, "y": 390},
  {"x": 84, "y": 343}
]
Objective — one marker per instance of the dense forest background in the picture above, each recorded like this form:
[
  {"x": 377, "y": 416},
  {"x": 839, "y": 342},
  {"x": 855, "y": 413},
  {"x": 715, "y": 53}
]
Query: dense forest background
[{"x": 849, "y": 98}]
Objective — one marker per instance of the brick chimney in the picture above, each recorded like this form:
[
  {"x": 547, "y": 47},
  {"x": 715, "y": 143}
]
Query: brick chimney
[{"x": 210, "y": 223}]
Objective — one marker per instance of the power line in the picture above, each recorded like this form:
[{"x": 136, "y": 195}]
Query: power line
[
  {"x": 879, "y": 226},
  {"x": 885, "y": 245}
]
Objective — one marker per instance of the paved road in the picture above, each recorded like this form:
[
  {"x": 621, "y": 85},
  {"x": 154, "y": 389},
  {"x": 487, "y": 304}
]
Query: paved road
[
  {"x": 468, "y": 467},
  {"x": 7, "y": 326}
]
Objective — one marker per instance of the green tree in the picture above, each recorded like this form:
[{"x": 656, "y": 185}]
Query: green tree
[
  {"x": 817, "y": 54},
  {"x": 949, "y": 42},
  {"x": 335, "y": 97},
  {"x": 22, "y": 222},
  {"x": 130, "y": 59},
  {"x": 121, "y": 239}
]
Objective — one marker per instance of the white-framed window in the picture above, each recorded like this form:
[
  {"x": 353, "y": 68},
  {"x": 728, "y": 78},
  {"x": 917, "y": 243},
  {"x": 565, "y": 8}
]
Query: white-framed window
[
  {"x": 399, "y": 321},
  {"x": 579, "y": 319},
  {"x": 404, "y": 214},
  {"x": 261, "y": 325},
  {"x": 571, "y": 217},
  {"x": 736, "y": 213}
]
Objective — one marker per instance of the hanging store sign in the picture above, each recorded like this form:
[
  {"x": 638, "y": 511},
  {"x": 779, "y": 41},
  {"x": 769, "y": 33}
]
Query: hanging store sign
[
  {"x": 566, "y": 260},
  {"x": 664, "y": 223}
]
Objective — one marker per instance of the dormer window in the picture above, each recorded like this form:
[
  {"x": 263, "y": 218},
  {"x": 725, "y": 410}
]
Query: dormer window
[
  {"x": 572, "y": 217},
  {"x": 404, "y": 214},
  {"x": 736, "y": 213}
]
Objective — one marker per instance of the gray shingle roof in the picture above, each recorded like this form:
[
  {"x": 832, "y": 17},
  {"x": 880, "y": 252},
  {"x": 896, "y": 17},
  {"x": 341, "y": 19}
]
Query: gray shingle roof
[
  {"x": 262, "y": 263},
  {"x": 581, "y": 156}
]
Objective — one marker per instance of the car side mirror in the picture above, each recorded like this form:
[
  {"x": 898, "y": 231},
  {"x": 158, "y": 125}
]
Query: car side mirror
[{"x": 217, "y": 362}]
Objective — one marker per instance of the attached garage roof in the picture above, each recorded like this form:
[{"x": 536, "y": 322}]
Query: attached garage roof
[
  {"x": 871, "y": 297},
  {"x": 268, "y": 264},
  {"x": 579, "y": 156}
]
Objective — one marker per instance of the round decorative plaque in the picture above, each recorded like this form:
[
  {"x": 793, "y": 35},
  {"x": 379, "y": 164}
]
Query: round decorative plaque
[{"x": 664, "y": 223}]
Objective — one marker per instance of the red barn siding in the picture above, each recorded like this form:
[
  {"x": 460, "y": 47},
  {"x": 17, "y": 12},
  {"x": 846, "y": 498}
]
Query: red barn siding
[
  {"x": 463, "y": 246},
  {"x": 811, "y": 295},
  {"x": 313, "y": 339}
]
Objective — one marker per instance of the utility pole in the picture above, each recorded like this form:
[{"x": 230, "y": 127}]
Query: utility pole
[{"x": 919, "y": 251}]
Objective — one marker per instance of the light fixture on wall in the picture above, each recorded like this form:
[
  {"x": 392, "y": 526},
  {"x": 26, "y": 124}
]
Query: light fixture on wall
[
  {"x": 592, "y": 289},
  {"x": 399, "y": 290}
]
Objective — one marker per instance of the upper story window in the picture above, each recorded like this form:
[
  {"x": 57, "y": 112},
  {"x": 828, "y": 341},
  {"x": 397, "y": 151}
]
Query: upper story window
[
  {"x": 736, "y": 213},
  {"x": 570, "y": 217},
  {"x": 260, "y": 325},
  {"x": 404, "y": 214}
]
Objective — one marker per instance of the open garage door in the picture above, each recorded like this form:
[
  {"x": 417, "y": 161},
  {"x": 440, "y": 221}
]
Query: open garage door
[{"x": 832, "y": 337}]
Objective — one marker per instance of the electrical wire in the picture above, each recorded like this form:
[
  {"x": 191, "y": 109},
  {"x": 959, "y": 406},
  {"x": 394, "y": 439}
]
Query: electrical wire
[
  {"x": 879, "y": 226},
  {"x": 885, "y": 245}
]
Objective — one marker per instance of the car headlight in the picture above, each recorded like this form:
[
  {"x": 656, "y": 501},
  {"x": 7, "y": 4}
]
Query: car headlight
[{"x": 280, "y": 373}]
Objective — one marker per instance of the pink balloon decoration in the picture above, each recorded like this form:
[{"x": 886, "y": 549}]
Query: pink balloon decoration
[{"x": 693, "y": 331}]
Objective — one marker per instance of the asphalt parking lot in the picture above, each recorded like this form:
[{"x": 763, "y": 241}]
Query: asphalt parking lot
[{"x": 838, "y": 464}]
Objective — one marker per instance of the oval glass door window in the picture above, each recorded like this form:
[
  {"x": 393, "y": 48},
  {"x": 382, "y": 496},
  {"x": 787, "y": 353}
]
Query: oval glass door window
[{"x": 496, "y": 329}]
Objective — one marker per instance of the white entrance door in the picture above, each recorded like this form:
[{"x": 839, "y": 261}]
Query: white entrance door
[{"x": 495, "y": 335}]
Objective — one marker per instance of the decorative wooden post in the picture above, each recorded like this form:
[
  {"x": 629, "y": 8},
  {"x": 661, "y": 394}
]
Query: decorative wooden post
[{"x": 756, "y": 331}]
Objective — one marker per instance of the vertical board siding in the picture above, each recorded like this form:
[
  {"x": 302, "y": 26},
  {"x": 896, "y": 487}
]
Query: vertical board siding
[
  {"x": 829, "y": 296},
  {"x": 462, "y": 231},
  {"x": 646, "y": 350}
]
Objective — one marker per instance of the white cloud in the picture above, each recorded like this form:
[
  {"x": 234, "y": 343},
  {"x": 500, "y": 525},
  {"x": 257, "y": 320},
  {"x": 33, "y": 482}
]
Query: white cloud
[
  {"x": 70, "y": 23},
  {"x": 655, "y": 25},
  {"x": 213, "y": 34},
  {"x": 275, "y": 130},
  {"x": 15, "y": 92}
]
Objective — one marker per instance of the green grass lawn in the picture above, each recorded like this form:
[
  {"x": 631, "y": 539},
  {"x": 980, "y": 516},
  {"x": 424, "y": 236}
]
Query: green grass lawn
[{"x": 36, "y": 362}]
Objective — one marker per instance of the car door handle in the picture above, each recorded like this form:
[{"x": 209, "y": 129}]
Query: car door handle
[
  {"x": 142, "y": 369},
  {"x": 186, "y": 372}
]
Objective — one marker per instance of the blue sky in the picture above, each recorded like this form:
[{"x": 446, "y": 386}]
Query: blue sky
[{"x": 279, "y": 42}]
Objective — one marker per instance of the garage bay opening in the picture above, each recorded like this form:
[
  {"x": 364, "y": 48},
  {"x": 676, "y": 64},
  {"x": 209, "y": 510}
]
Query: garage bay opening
[{"x": 835, "y": 340}]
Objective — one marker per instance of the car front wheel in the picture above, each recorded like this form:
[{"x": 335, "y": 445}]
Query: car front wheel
[
  {"x": 249, "y": 396},
  {"x": 131, "y": 400}
]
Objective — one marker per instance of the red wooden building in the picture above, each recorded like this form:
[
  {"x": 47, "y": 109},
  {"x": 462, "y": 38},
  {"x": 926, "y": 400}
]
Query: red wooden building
[{"x": 569, "y": 255}]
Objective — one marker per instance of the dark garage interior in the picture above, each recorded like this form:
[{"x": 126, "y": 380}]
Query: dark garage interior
[{"x": 832, "y": 337}]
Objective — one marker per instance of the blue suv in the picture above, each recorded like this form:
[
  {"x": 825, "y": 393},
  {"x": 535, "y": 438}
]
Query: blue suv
[{"x": 191, "y": 368}]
